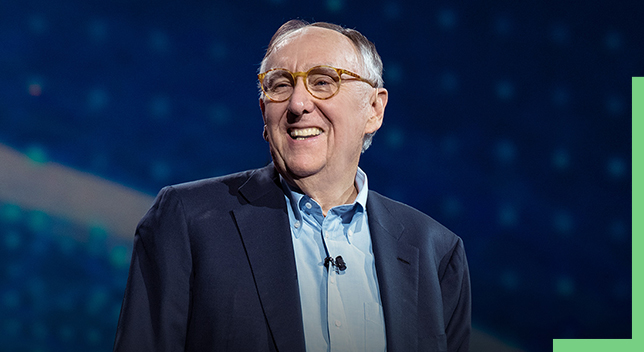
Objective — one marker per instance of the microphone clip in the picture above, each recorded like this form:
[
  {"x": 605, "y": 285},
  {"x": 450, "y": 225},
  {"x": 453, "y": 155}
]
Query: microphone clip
[{"x": 338, "y": 263}]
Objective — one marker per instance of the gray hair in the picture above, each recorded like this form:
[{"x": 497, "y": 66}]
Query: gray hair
[{"x": 372, "y": 63}]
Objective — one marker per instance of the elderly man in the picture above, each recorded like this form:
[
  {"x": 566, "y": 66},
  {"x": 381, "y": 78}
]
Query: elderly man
[{"x": 299, "y": 255}]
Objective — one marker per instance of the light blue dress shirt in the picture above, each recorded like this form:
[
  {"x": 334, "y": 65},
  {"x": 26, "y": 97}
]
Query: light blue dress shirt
[{"x": 341, "y": 310}]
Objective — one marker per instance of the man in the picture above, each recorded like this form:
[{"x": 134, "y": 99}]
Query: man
[{"x": 298, "y": 255}]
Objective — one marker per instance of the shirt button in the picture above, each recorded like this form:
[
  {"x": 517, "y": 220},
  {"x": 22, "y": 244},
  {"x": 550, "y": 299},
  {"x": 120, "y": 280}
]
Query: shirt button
[
  {"x": 308, "y": 205},
  {"x": 350, "y": 233},
  {"x": 297, "y": 224},
  {"x": 332, "y": 280},
  {"x": 338, "y": 323}
]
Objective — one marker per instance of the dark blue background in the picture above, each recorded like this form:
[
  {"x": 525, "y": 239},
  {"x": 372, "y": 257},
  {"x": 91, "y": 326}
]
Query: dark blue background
[{"x": 508, "y": 121}]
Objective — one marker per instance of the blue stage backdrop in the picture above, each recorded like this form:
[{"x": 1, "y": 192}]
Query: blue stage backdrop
[{"x": 509, "y": 122}]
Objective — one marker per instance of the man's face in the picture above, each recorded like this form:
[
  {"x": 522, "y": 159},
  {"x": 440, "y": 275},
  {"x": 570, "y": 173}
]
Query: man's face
[{"x": 309, "y": 136}]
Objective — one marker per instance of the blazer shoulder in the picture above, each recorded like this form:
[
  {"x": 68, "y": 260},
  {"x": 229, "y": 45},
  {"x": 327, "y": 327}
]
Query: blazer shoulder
[
  {"x": 418, "y": 225},
  {"x": 220, "y": 192}
]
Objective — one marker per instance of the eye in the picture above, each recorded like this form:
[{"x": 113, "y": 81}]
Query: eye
[
  {"x": 278, "y": 82},
  {"x": 321, "y": 80}
]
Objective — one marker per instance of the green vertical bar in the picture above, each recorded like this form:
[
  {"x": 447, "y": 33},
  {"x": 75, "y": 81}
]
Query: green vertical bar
[
  {"x": 636, "y": 344},
  {"x": 638, "y": 210}
]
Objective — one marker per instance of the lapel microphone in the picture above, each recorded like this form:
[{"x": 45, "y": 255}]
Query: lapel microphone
[{"x": 338, "y": 263}]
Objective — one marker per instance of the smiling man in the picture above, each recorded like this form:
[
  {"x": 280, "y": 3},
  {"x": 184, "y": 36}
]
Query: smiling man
[{"x": 299, "y": 255}]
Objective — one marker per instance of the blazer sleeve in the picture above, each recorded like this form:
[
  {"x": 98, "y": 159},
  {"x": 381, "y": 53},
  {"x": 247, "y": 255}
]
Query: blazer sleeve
[
  {"x": 457, "y": 304},
  {"x": 156, "y": 305}
]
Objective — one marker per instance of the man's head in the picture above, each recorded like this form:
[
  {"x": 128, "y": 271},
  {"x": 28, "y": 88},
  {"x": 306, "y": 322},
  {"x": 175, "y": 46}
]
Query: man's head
[{"x": 310, "y": 131}]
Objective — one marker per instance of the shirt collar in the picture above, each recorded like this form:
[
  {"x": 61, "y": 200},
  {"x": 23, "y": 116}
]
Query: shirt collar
[{"x": 295, "y": 196}]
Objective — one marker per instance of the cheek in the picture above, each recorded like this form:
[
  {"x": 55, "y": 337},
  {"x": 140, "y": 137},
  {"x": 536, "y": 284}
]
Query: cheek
[{"x": 272, "y": 115}]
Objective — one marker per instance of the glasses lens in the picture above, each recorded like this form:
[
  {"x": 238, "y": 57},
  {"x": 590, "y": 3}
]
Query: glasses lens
[
  {"x": 278, "y": 84},
  {"x": 323, "y": 82}
]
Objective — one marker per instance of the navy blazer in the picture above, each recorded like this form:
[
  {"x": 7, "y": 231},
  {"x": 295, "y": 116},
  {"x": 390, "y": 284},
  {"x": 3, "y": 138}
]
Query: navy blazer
[{"x": 213, "y": 269}]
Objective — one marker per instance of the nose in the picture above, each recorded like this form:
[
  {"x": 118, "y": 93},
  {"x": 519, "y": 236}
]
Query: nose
[{"x": 301, "y": 102}]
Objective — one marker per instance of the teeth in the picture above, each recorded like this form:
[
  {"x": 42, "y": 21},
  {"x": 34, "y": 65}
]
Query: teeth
[{"x": 302, "y": 133}]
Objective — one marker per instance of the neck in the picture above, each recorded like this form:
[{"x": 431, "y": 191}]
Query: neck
[{"x": 328, "y": 192}]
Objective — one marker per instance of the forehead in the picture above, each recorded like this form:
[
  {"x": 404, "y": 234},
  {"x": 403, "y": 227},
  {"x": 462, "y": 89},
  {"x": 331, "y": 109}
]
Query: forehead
[{"x": 311, "y": 46}]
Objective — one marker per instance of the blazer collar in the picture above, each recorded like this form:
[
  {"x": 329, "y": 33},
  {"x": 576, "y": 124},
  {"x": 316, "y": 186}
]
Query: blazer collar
[
  {"x": 265, "y": 232},
  {"x": 397, "y": 271}
]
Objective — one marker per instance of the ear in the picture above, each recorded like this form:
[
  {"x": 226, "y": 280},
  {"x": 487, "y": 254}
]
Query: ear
[{"x": 378, "y": 104}]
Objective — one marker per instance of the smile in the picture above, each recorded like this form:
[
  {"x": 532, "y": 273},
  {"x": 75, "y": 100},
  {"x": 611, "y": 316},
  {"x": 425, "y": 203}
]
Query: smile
[{"x": 304, "y": 133}]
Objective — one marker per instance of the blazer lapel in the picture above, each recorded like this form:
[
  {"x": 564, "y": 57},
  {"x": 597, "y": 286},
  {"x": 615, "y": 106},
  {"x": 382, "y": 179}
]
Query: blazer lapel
[
  {"x": 265, "y": 232},
  {"x": 397, "y": 271}
]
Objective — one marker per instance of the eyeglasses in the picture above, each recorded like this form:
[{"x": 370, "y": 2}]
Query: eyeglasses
[{"x": 323, "y": 82}]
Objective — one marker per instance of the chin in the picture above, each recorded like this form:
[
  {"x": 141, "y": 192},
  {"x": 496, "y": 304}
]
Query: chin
[{"x": 302, "y": 170}]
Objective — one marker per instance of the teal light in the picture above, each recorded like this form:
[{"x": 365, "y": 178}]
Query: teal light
[
  {"x": 36, "y": 154},
  {"x": 10, "y": 213},
  {"x": 119, "y": 257}
]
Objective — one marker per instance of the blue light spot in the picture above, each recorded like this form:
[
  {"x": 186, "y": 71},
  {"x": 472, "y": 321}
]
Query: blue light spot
[
  {"x": 119, "y": 257},
  {"x": 503, "y": 26},
  {"x": 96, "y": 243},
  {"x": 447, "y": 18},
  {"x": 12, "y": 240},
  {"x": 334, "y": 5},
  {"x": 560, "y": 96},
  {"x": 616, "y": 168},
  {"x": 394, "y": 138},
  {"x": 508, "y": 215},
  {"x": 35, "y": 86},
  {"x": 160, "y": 171},
  {"x": 510, "y": 280},
  {"x": 38, "y": 221},
  {"x": 504, "y": 90},
  {"x": 617, "y": 230},
  {"x": 159, "y": 42},
  {"x": 97, "y": 232},
  {"x": 97, "y": 300},
  {"x": 451, "y": 207},
  {"x": 505, "y": 152},
  {"x": 450, "y": 145},
  {"x": 93, "y": 336},
  {"x": 36, "y": 154},
  {"x": 11, "y": 299},
  {"x": 97, "y": 30},
  {"x": 615, "y": 105},
  {"x": 565, "y": 287},
  {"x": 449, "y": 82},
  {"x": 159, "y": 107},
  {"x": 97, "y": 99},
  {"x": 220, "y": 113},
  {"x": 561, "y": 159},
  {"x": 219, "y": 51},
  {"x": 393, "y": 73},
  {"x": 563, "y": 222},
  {"x": 392, "y": 10},
  {"x": 613, "y": 41},
  {"x": 10, "y": 213},
  {"x": 560, "y": 34},
  {"x": 38, "y": 24},
  {"x": 622, "y": 290}
]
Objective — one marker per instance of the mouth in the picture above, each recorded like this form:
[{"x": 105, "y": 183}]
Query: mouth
[{"x": 300, "y": 134}]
